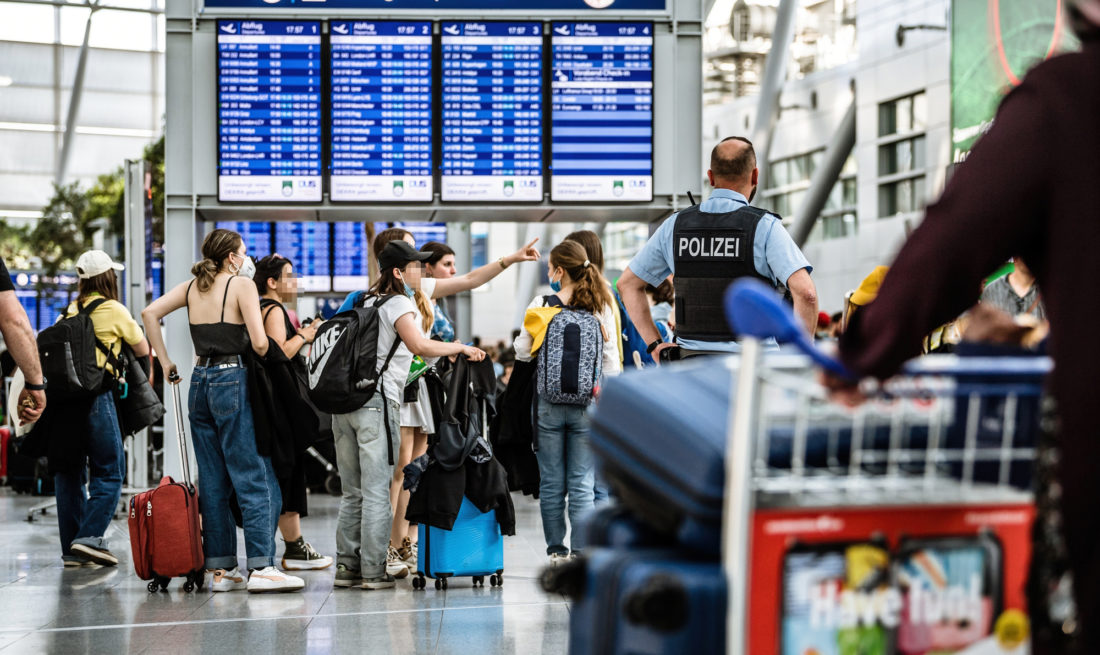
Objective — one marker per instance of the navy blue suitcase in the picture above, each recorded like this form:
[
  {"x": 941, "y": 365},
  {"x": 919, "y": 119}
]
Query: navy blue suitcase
[{"x": 647, "y": 601}]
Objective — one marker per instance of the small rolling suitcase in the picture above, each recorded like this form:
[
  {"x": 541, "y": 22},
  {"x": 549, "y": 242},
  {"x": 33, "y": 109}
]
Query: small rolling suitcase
[
  {"x": 165, "y": 536},
  {"x": 646, "y": 601},
  {"x": 473, "y": 547}
]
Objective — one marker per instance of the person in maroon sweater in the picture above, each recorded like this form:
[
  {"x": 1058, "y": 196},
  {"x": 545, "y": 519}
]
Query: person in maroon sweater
[{"x": 1031, "y": 187}]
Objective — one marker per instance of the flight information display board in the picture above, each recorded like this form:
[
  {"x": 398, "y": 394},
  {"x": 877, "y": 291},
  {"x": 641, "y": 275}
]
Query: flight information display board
[
  {"x": 381, "y": 111},
  {"x": 306, "y": 245},
  {"x": 602, "y": 104},
  {"x": 269, "y": 116},
  {"x": 256, "y": 236},
  {"x": 350, "y": 250},
  {"x": 492, "y": 111}
]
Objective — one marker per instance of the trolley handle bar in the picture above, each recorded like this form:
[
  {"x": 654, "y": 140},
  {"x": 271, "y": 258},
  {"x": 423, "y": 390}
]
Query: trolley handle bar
[{"x": 753, "y": 310}]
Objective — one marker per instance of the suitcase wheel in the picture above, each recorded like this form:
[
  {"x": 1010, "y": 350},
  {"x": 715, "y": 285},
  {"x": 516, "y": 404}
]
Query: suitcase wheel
[
  {"x": 496, "y": 580},
  {"x": 418, "y": 582},
  {"x": 153, "y": 586},
  {"x": 479, "y": 581},
  {"x": 188, "y": 586},
  {"x": 441, "y": 583},
  {"x": 332, "y": 484}
]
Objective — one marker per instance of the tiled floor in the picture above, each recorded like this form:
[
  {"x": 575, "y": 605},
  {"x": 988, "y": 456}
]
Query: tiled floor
[{"x": 47, "y": 609}]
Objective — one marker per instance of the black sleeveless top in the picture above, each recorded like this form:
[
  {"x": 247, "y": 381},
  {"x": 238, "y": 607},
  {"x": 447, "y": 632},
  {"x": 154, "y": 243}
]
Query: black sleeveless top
[{"x": 221, "y": 338}]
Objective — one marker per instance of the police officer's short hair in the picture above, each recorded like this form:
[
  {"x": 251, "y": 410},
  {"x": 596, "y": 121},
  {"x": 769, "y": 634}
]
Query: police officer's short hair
[{"x": 733, "y": 168}]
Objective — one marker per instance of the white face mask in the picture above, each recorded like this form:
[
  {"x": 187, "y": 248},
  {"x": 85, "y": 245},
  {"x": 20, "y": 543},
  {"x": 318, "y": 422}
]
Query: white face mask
[{"x": 248, "y": 268}]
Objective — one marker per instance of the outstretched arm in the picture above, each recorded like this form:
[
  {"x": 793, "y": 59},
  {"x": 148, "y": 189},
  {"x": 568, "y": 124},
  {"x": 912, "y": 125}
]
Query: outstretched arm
[{"x": 480, "y": 276}]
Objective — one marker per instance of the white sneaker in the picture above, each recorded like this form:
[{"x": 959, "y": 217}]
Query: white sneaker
[
  {"x": 271, "y": 579},
  {"x": 394, "y": 564},
  {"x": 557, "y": 558},
  {"x": 222, "y": 580}
]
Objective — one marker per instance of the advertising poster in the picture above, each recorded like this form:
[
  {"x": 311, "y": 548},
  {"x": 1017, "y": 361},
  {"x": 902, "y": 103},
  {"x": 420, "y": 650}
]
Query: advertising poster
[
  {"x": 940, "y": 580},
  {"x": 993, "y": 45}
]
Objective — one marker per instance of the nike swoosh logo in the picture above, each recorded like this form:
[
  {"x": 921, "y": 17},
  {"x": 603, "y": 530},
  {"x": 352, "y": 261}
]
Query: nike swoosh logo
[{"x": 316, "y": 369}]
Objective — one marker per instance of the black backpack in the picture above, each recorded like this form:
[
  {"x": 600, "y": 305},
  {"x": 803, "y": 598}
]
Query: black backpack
[
  {"x": 67, "y": 350},
  {"x": 342, "y": 362}
]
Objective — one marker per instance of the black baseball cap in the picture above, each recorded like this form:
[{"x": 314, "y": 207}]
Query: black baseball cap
[{"x": 398, "y": 252}]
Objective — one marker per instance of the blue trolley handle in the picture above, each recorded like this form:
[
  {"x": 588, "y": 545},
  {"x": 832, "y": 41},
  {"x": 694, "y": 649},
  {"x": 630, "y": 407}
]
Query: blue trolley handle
[{"x": 753, "y": 310}]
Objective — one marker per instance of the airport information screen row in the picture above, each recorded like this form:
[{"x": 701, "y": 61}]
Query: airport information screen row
[
  {"x": 326, "y": 256},
  {"x": 386, "y": 110}
]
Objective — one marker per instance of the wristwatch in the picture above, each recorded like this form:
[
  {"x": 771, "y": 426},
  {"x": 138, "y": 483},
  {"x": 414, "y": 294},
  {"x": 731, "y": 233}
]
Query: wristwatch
[
  {"x": 35, "y": 387},
  {"x": 653, "y": 346}
]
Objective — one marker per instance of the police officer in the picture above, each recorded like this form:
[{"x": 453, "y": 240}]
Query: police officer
[{"x": 709, "y": 246}]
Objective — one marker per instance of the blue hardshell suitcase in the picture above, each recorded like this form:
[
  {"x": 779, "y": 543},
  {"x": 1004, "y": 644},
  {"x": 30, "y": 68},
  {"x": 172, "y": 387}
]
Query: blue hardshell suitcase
[
  {"x": 659, "y": 437},
  {"x": 647, "y": 601},
  {"x": 473, "y": 547}
]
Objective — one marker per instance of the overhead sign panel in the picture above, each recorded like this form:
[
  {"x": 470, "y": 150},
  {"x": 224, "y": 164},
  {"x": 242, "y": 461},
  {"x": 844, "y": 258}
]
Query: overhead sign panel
[
  {"x": 492, "y": 111},
  {"x": 350, "y": 251},
  {"x": 451, "y": 5},
  {"x": 269, "y": 111},
  {"x": 381, "y": 111},
  {"x": 602, "y": 104}
]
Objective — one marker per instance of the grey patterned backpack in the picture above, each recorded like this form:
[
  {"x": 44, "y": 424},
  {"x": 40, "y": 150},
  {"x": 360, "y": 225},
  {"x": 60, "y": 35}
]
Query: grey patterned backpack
[{"x": 569, "y": 361}]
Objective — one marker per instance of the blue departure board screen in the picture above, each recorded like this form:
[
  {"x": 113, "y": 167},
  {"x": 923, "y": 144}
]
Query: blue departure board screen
[
  {"x": 381, "y": 111},
  {"x": 256, "y": 236},
  {"x": 492, "y": 111},
  {"x": 269, "y": 111},
  {"x": 350, "y": 270},
  {"x": 422, "y": 232},
  {"x": 306, "y": 245},
  {"x": 602, "y": 104}
]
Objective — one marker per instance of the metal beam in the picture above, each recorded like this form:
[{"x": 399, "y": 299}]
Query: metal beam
[
  {"x": 458, "y": 238},
  {"x": 826, "y": 176},
  {"x": 775, "y": 74},
  {"x": 134, "y": 249},
  {"x": 74, "y": 100},
  {"x": 81, "y": 5}
]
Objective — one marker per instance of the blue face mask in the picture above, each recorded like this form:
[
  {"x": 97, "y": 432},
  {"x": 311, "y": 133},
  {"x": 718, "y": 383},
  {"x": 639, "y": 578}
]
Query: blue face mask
[
  {"x": 555, "y": 285},
  {"x": 409, "y": 291}
]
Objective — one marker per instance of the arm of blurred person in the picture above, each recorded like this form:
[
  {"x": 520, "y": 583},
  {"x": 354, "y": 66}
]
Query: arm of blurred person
[
  {"x": 19, "y": 337},
  {"x": 804, "y": 294},
  {"x": 275, "y": 327},
  {"x": 965, "y": 235},
  {"x": 479, "y": 276},
  {"x": 418, "y": 344},
  {"x": 248, "y": 301},
  {"x": 632, "y": 291},
  {"x": 652, "y": 265},
  {"x": 151, "y": 316}
]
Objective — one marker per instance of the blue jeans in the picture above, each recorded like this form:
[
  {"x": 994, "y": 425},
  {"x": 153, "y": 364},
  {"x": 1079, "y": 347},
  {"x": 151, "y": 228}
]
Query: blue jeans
[
  {"x": 366, "y": 516},
  {"x": 565, "y": 466},
  {"x": 84, "y": 519},
  {"x": 225, "y": 448}
]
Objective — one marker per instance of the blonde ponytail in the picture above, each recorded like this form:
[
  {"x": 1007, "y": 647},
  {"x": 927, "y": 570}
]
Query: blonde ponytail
[{"x": 590, "y": 290}]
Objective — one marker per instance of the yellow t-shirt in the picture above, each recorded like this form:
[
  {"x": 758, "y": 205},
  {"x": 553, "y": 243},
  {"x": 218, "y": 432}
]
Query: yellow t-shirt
[{"x": 113, "y": 325}]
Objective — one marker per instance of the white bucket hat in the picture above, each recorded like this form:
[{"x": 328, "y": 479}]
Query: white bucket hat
[{"x": 96, "y": 262}]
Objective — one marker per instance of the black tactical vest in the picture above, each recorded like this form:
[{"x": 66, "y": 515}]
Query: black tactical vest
[{"x": 710, "y": 251}]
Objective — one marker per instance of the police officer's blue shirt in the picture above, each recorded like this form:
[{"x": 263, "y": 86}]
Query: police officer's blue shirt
[{"x": 774, "y": 255}]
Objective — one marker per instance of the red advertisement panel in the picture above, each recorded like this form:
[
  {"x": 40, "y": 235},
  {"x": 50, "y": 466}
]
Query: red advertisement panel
[{"x": 890, "y": 581}]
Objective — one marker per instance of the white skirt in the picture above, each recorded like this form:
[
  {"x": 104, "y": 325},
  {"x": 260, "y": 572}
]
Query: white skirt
[{"x": 418, "y": 414}]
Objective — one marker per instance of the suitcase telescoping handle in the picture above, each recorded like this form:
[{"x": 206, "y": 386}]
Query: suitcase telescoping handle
[{"x": 185, "y": 461}]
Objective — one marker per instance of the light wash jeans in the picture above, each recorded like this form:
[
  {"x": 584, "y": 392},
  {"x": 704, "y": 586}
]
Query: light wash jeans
[
  {"x": 363, "y": 524},
  {"x": 566, "y": 469},
  {"x": 225, "y": 448},
  {"x": 84, "y": 519}
]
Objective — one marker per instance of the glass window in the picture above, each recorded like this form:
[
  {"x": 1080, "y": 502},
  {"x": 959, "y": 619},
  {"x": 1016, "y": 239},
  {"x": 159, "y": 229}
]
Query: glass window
[
  {"x": 920, "y": 111},
  {"x": 850, "y": 198},
  {"x": 901, "y": 197},
  {"x": 25, "y": 22},
  {"x": 780, "y": 174},
  {"x": 887, "y": 120},
  {"x": 901, "y": 156}
]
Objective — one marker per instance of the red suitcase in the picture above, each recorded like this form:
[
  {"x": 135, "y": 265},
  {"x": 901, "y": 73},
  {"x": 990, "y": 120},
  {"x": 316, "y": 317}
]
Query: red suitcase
[
  {"x": 165, "y": 536},
  {"x": 5, "y": 437}
]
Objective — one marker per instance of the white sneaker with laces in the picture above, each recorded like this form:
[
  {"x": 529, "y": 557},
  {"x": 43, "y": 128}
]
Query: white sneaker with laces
[
  {"x": 395, "y": 566},
  {"x": 223, "y": 580},
  {"x": 271, "y": 579}
]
